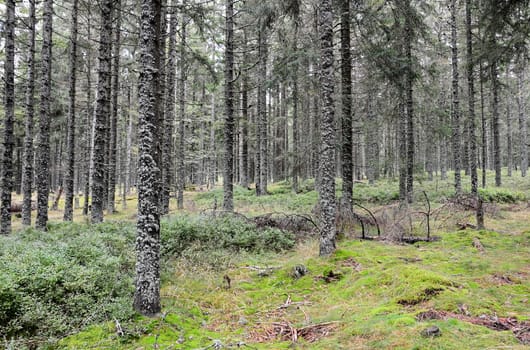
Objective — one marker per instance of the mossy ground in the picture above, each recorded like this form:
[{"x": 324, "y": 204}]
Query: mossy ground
[{"x": 373, "y": 306}]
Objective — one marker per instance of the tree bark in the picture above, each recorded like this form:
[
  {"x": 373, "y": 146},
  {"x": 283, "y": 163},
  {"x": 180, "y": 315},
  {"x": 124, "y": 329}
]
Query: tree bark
[
  {"x": 471, "y": 100},
  {"x": 327, "y": 132},
  {"x": 147, "y": 292},
  {"x": 43, "y": 150},
  {"x": 27, "y": 174},
  {"x": 169, "y": 117},
  {"x": 346, "y": 94},
  {"x": 523, "y": 128},
  {"x": 228, "y": 171},
  {"x": 181, "y": 170},
  {"x": 70, "y": 146},
  {"x": 6, "y": 176},
  {"x": 455, "y": 112},
  {"x": 262, "y": 112},
  {"x": 113, "y": 142},
  {"x": 495, "y": 122},
  {"x": 103, "y": 104}
]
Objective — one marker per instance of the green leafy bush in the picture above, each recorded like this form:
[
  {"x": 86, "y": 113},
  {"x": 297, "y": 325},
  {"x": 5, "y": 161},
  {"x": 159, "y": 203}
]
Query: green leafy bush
[
  {"x": 61, "y": 280},
  {"x": 183, "y": 234},
  {"x": 501, "y": 195}
]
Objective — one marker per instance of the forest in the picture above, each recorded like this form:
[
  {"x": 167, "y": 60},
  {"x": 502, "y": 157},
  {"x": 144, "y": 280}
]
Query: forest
[{"x": 222, "y": 174}]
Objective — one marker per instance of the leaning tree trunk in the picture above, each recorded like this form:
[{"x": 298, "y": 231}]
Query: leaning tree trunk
[
  {"x": 228, "y": 167},
  {"x": 27, "y": 173},
  {"x": 346, "y": 94},
  {"x": 455, "y": 113},
  {"x": 43, "y": 147},
  {"x": 113, "y": 142},
  {"x": 327, "y": 132},
  {"x": 102, "y": 111},
  {"x": 70, "y": 141},
  {"x": 471, "y": 100},
  {"x": 523, "y": 128},
  {"x": 6, "y": 177},
  {"x": 147, "y": 293}
]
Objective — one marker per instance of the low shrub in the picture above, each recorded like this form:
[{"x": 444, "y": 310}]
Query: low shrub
[
  {"x": 54, "y": 282},
  {"x": 501, "y": 195},
  {"x": 182, "y": 234}
]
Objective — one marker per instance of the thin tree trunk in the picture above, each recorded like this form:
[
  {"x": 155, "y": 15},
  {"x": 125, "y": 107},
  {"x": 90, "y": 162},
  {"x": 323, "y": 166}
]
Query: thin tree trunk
[
  {"x": 6, "y": 176},
  {"x": 228, "y": 176},
  {"x": 169, "y": 118},
  {"x": 483, "y": 129},
  {"x": 89, "y": 125},
  {"x": 103, "y": 102},
  {"x": 496, "y": 123},
  {"x": 509, "y": 139},
  {"x": 346, "y": 95},
  {"x": 147, "y": 293},
  {"x": 523, "y": 128},
  {"x": 262, "y": 111},
  {"x": 70, "y": 146},
  {"x": 113, "y": 142},
  {"x": 327, "y": 132},
  {"x": 181, "y": 170},
  {"x": 455, "y": 112},
  {"x": 296, "y": 137},
  {"x": 409, "y": 82},
  {"x": 129, "y": 142},
  {"x": 43, "y": 151},
  {"x": 27, "y": 174},
  {"x": 471, "y": 100}
]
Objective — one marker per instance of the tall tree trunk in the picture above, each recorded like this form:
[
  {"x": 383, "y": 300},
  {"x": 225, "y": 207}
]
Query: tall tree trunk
[
  {"x": 327, "y": 132},
  {"x": 523, "y": 128},
  {"x": 6, "y": 177},
  {"x": 43, "y": 150},
  {"x": 147, "y": 293},
  {"x": 129, "y": 142},
  {"x": 496, "y": 122},
  {"x": 102, "y": 111},
  {"x": 70, "y": 146},
  {"x": 296, "y": 136},
  {"x": 181, "y": 170},
  {"x": 471, "y": 100},
  {"x": 483, "y": 129},
  {"x": 402, "y": 140},
  {"x": 455, "y": 112},
  {"x": 509, "y": 138},
  {"x": 262, "y": 111},
  {"x": 27, "y": 174},
  {"x": 89, "y": 125},
  {"x": 409, "y": 82},
  {"x": 169, "y": 118},
  {"x": 346, "y": 95},
  {"x": 113, "y": 142},
  {"x": 228, "y": 171},
  {"x": 244, "y": 121}
]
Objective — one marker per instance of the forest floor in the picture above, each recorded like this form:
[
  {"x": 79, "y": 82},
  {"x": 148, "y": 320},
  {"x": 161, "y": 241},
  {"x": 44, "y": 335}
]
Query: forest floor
[{"x": 467, "y": 290}]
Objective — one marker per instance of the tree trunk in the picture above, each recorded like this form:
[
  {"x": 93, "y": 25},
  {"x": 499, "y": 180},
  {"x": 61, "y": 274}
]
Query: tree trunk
[
  {"x": 43, "y": 147},
  {"x": 346, "y": 94},
  {"x": 483, "y": 129},
  {"x": 129, "y": 142},
  {"x": 509, "y": 138},
  {"x": 495, "y": 122},
  {"x": 169, "y": 117},
  {"x": 113, "y": 142},
  {"x": 103, "y": 102},
  {"x": 27, "y": 174},
  {"x": 147, "y": 293},
  {"x": 296, "y": 136},
  {"x": 181, "y": 170},
  {"x": 471, "y": 100},
  {"x": 262, "y": 111},
  {"x": 228, "y": 171},
  {"x": 409, "y": 82},
  {"x": 327, "y": 132},
  {"x": 455, "y": 112},
  {"x": 6, "y": 176},
  {"x": 89, "y": 125},
  {"x": 244, "y": 173},
  {"x": 523, "y": 128},
  {"x": 70, "y": 145}
]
